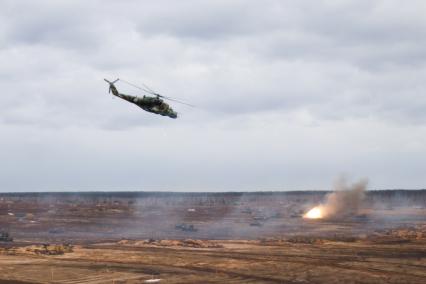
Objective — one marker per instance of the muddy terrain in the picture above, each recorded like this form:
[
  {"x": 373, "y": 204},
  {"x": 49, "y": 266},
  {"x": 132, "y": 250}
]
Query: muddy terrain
[{"x": 209, "y": 238}]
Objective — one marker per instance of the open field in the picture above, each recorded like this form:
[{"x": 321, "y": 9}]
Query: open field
[{"x": 210, "y": 238}]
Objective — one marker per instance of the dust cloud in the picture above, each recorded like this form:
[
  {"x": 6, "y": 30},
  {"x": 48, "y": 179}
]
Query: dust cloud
[{"x": 345, "y": 200}]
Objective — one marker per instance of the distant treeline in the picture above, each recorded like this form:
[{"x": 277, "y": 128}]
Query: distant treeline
[
  {"x": 142, "y": 194},
  {"x": 396, "y": 193}
]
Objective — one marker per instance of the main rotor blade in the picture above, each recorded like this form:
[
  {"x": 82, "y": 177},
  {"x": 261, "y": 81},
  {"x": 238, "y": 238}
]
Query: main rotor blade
[
  {"x": 150, "y": 91},
  {"x": 148, "y": 88},
  {"x": 175, "y": 100}
]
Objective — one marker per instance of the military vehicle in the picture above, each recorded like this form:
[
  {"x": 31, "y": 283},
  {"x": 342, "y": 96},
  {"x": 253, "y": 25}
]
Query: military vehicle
[
  {"x": 256, "y": 223},
  {"x": 185, "y": 227},
  {"x": 5, "y": 237},
  {"x": 246, "y": 211},
  {"x": 154, "y": 103}
]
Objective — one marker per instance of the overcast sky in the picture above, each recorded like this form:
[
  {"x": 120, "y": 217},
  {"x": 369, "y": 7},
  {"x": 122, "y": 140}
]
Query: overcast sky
[{"x": 289, "y": 94}]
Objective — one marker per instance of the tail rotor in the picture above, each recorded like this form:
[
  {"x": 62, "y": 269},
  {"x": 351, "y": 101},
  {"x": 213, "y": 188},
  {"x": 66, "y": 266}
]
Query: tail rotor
[{"x": 111, "y": 84}]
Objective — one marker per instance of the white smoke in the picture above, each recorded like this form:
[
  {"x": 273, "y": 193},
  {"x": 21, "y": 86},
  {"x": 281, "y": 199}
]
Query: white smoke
[{"x": 345, "y": 200}]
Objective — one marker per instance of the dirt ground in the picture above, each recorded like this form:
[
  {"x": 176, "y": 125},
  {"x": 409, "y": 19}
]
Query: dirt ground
[
  {"x": 230, "y": 262},
  {"x": 233, "y": 239}
]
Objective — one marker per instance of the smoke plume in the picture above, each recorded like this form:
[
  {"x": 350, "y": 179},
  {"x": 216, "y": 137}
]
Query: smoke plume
[{"x": 345, "y": 201}]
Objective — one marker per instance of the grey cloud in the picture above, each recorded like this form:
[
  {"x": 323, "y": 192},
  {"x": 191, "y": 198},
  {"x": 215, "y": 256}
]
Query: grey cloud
[
  {"x": 218, "y": 20},
  {"x": 297, "y": 82},
  {"x": 51, "y": 23}
]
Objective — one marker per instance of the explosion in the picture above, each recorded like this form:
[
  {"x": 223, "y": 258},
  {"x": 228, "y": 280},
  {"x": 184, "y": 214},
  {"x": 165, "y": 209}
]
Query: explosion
[
  {"x": 344, "y": 202},
  {"x": 314, "y": 213}
]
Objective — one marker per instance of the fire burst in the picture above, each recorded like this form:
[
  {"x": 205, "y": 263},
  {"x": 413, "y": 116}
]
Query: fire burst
[{"x": 314, "y": 213}]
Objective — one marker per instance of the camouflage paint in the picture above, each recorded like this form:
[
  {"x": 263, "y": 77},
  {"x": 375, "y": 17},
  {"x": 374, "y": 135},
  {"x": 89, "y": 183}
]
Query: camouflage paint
[{"x": 149, "y": 104}]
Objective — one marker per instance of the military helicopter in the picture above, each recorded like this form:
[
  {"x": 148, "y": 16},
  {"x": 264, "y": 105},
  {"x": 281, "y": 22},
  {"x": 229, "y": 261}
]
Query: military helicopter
[{"x": 154, "y": 104}]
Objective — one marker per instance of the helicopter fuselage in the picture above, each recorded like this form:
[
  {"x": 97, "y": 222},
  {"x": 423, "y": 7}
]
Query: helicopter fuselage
[{"x": 150, "y": 104}]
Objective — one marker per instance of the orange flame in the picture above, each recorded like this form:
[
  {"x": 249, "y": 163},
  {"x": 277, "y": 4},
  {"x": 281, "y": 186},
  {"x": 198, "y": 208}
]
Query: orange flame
[{"x": 314, "y": 213}]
